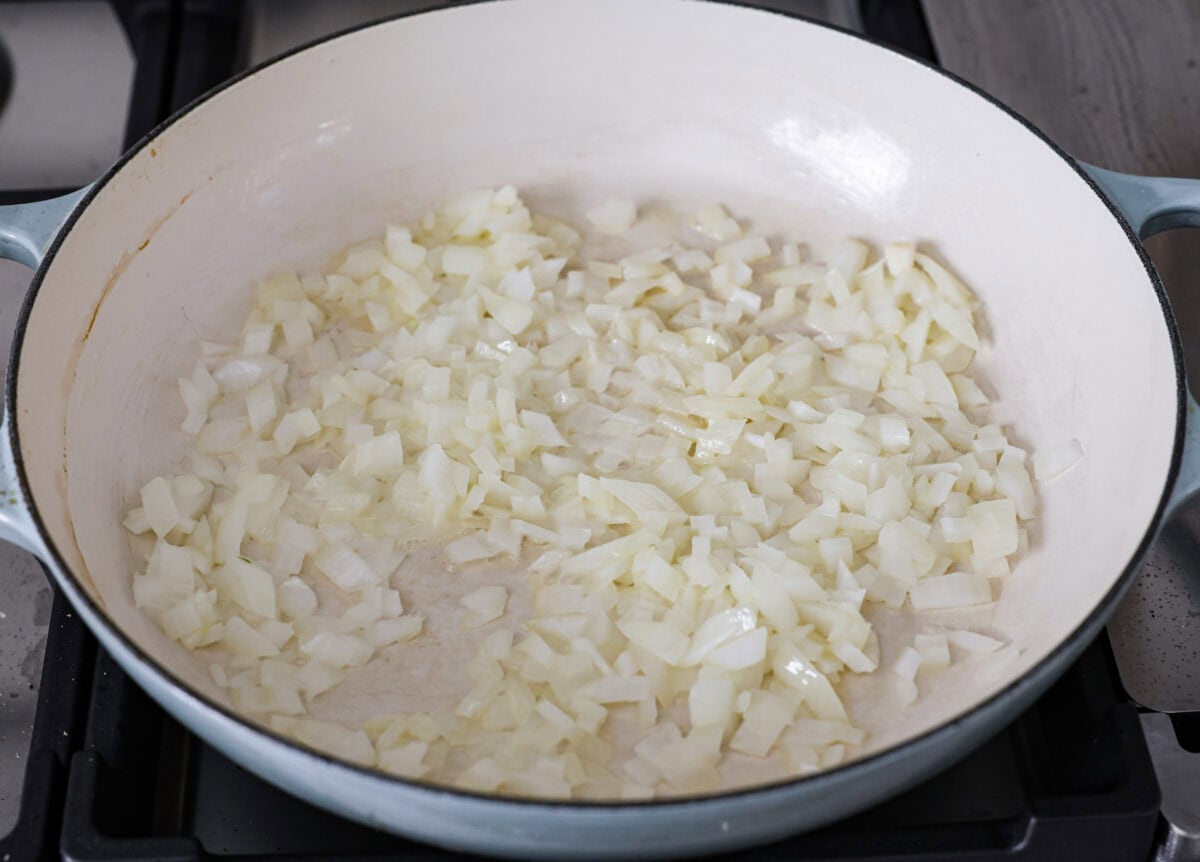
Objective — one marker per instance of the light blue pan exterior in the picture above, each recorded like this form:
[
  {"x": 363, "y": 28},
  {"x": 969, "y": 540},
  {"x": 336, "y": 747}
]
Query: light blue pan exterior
[{"x": 529, "y": 830}]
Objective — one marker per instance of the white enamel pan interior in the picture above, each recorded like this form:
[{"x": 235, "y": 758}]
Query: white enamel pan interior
[{"x": 802, "y": 129}]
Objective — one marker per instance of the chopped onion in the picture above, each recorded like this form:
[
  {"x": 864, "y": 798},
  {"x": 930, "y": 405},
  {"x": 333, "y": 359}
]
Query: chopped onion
[
  {"x": 158, "y": 506},
  {"x": 907, "y": 664},
  {"x": 934, "y": 651},
  {"x": 337, "y": 650},
  {"x": 613, "y": 216},
  {"x": 713, "y": 462},
  {"x": 953, "y": 590},
  {"x": 973, "y": 642},
  {"x": 714, "y": 221},
  {"x": 248, "y": 586},
  {"x": 766, "y": 717},
  {"x": 1053, "y": 462},
  {"x": 484, "y": 605}
]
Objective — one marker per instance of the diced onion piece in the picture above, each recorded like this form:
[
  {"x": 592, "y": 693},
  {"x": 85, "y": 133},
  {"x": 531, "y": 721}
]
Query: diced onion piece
[
  {"x": 899, "y": 256},
  {"x": 795, "y": 670},
  {"x": 406, "y": 760},
  {"x": 261, "y": 405},
  {"x": 242, "y": 640},
  {"x": 470, "y": 549},
  {"x": 765, "y": 719},
  {"x": 352, "y": 745},
  {"x": 514, "y": 316},
  {"x": 713, "y": 220},
  {"x": 906, "y": 690},
  {"x": 952, "y": 590},
  {"x": 297, "y": 599},
  {"x": 345, "y": 568},
  {"x": 378, "y": 456},
  {"x": 1053, "y": 462},
  {"x": 973, "y": 642},
  {"x": 710, "y": 701},
  {"x": 664, "y": 641},
  {"x": 613, "y": 216},
  {"x": 993, "y": 529},
  {"x": 934, "y": 651},
  {"x": 383, "y": 633},
  {"x": 744, "y": 651},
  {"x": 136, "y": 522},
  {"x": 617, "y": 689},
  {"x": 295, "y": 427},
  {"x": 484, "y": 605},
  {"x": 907, "y": 664},
  {"x": 337, "y": 650},
  {"x": 249, "y": 586},
  {"x": 158, "y": 507}
]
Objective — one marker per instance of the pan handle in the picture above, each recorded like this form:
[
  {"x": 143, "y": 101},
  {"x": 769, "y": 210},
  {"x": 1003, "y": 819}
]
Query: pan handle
[
  {"x": 17, "y": 526},
  {"x": 1152, "y": 205},
  {"x": 26, "y": 230},
  {"x": 1187, "y": 484}
]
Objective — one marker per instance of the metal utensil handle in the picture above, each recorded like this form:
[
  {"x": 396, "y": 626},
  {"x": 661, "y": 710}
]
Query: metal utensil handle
[
  {"x": 1152, "y": 205},
  {"x": 26, "y": 230}
]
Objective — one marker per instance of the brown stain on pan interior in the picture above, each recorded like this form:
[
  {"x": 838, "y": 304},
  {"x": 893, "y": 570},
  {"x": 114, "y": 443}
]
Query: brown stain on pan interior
[
  {"x": 81, "y": 571},
  {"x": 123, "y": 264}
]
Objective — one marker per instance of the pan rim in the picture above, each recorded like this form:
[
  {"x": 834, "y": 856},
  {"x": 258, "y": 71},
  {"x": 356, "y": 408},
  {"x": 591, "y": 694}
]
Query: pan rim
[{"x": 1037, "y": 676}]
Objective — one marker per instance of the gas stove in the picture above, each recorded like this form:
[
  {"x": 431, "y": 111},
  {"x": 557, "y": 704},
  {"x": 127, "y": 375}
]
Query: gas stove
[{"x": 91, "y": 769}]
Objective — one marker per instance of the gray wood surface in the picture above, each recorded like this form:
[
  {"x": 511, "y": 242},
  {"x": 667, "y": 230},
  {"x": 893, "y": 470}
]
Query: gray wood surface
[{"x": 1116, "y": 83}]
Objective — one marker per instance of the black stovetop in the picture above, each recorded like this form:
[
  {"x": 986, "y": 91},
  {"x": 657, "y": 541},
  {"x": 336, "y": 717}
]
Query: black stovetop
[{"x": 110, "y": 777}]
